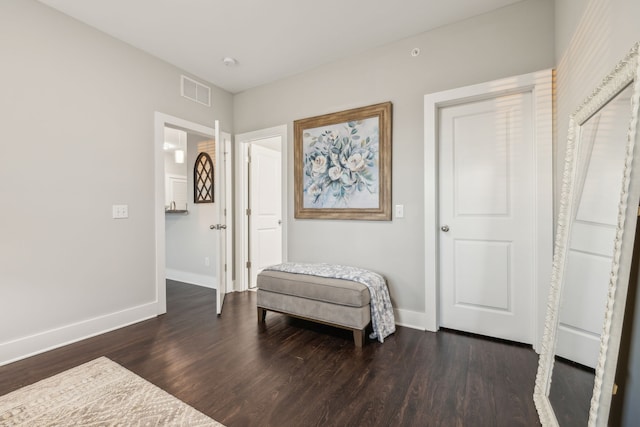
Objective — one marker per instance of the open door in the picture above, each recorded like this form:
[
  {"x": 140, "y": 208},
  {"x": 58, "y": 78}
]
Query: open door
[
  {"x": 225, "y": 215},
  {"x": 221, "y": 229}
]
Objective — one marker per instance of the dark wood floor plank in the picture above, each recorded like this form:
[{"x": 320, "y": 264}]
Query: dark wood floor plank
[
  {"x": 288, "y": 372},
  {"x": 480, "y": 397},
  {"x": 513, "y": 407}
]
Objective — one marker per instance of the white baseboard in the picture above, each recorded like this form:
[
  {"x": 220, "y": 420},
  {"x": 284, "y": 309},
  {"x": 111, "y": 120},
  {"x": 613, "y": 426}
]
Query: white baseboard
[
  {"x": 410, "y": 319},
  {"x": 24, "y": 347},
  {"x": 191, "y": 278}
]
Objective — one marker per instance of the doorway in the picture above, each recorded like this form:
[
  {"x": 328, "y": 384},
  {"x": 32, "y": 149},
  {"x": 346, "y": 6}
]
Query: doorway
[
  {"x": 261, "y": 202},
  {"x": 214, "y": 253},
  {"x": 189, "y": 251},
  {"x": 489, "y": 279}
]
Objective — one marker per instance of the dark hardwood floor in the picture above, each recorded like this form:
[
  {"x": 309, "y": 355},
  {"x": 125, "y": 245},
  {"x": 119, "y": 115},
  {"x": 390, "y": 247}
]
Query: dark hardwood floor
[{"x": 294, "y": 373}]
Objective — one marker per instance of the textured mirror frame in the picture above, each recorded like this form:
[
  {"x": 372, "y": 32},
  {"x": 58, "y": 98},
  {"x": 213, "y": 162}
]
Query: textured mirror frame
[{"x": 626, "y": 72}]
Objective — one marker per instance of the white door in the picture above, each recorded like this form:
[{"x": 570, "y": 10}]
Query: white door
[
  {"x": 219, "y": 227},
  {"x": 486, "y": 201},
  {"x": 223, "y": 228},
  {"x": 265, "y": 203},
  {"x": 590, "y": 250}
]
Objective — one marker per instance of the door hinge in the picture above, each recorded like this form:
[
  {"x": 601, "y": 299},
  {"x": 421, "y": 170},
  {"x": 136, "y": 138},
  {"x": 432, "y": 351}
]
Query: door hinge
[
  {"x": 225, "y": 268},
  {"x": 248, "y": 211},
  {"x": 248, "y": 264},
  {"x": 225, "y": 212},
  {"x": 248, "y": 159}
]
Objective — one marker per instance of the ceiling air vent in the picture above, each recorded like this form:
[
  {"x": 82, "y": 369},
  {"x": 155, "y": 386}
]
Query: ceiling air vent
[{"x": 196, "y": 91}]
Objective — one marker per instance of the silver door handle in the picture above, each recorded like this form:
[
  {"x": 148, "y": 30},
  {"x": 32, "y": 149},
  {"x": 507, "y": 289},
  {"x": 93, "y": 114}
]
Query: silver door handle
[{"x": 444, "y": 228}]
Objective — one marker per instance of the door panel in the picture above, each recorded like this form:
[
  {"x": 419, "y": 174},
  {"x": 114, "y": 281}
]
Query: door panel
[
  {"x": 480, "y": 164},
  {"x": 486, "y": 202},
  {"x": 265, "y": 201},
  {"x": 482, "y": 262},
  {"x": 224, "y": 232},
  {"x": 219, "y": 233}
]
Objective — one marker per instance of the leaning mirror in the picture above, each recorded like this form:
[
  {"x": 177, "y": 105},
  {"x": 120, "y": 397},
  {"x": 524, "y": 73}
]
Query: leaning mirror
[{"x": 592, "y": 255}]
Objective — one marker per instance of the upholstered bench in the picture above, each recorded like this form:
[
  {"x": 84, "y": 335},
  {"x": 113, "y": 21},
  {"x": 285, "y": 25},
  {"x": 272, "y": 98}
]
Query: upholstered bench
[{"x": 335, "y": 302}]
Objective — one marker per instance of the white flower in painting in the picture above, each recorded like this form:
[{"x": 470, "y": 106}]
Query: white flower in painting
[
  {"x": 335, "y": 173},
  {"x": 356, "y": 162},
  {"x": 334, "y": 159},
  {"x": 319, "y": 165},
  {"x": 314, "y": 190}
]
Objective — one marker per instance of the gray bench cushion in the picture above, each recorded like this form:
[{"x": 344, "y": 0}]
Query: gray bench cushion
[
  {"x": 335, "y": 314},
  {"x": 335, "y": 291}
]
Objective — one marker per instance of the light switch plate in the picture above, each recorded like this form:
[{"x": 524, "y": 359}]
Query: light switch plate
[
  {"x": 120, "y": 211},
  {"x": 399, "y": 211}
]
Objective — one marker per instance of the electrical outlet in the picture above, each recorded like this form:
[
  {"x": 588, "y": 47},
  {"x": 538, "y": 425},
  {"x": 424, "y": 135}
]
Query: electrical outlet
[{"x": 120, "y": 211}]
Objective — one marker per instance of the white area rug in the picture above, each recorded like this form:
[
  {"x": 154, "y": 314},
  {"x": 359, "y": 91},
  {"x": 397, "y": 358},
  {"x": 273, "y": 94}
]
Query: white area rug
[{"x": 98, "y": 393}]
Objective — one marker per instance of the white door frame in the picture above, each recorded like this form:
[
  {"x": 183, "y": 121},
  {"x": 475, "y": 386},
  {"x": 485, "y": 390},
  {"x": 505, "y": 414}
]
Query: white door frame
[
  {"x": 242, "y": 142},
  {"x": 541, "y": 86},
  {"x": 160, "y": 120}
]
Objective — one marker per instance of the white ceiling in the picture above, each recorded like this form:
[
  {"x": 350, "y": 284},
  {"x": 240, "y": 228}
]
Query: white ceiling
[{"x": 270, "y": 39}]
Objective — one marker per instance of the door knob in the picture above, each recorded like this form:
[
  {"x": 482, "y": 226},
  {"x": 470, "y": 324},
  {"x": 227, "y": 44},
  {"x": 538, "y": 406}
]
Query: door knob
[
  {"x": 212, "y": 226},
  {"x": 218, "y": 227},
  {"x": 444, "y": 228}
]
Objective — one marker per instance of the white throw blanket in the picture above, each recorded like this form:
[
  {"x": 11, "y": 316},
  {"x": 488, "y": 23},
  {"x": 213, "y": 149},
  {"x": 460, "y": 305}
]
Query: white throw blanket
[{"x": 382, "y": 318}]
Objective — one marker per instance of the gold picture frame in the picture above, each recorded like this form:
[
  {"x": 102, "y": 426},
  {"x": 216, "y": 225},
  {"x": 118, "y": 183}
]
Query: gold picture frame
[{"x": 342, "y": 164}]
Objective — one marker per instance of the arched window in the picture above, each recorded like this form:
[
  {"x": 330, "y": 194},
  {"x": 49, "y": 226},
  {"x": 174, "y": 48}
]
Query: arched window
[{"x": 203, "y": 179}]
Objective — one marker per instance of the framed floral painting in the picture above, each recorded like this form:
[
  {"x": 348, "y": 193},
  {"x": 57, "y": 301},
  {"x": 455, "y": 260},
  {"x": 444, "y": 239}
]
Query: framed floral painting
[{"x": 342, "y": 164}]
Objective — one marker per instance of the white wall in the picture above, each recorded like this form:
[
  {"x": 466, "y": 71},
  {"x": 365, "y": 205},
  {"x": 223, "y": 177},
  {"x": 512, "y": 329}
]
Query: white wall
[
  {"x": 77, "y": 109},
  {"x": 188, "y": 237},
  {"x": 514, "y": 40},
  {"x": 592, "y": 36}
]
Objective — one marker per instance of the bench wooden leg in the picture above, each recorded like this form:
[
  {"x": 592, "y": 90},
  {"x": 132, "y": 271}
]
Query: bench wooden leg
[
  {"x": 358, "y": 337},
  {"x": 262, "y": 314}
]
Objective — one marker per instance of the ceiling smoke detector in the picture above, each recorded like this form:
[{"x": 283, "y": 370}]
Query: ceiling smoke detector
[{"x": 229, "y": 61}]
